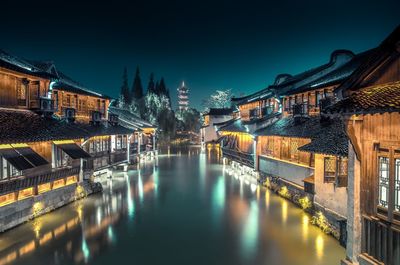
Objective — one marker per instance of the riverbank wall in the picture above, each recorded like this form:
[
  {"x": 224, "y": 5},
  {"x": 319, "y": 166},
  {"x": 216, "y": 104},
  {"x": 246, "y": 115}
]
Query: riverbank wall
[
  {"x": 328, "y": 221},
  {"x": 22, "y": 211}
]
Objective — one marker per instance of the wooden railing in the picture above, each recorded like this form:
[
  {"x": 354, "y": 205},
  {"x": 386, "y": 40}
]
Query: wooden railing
[
  {"x": 118, "y": 157},
  {"x": 381, "y": 240},
  {"x": 238, "y": 156},
  {"x": 27, "y": 181}
]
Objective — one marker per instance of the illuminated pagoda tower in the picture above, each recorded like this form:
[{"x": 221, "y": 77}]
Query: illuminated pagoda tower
[{"x": 183, "y": 97}]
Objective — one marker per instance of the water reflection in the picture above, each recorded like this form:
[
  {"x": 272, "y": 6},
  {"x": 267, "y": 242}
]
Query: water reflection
[{"x": 188, "y": 209}]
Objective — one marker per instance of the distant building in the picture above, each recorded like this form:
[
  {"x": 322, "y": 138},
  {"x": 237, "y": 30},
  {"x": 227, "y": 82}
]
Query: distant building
[
  {"x": 183, "y": 97},
  {"x": 213, "y": 120}
]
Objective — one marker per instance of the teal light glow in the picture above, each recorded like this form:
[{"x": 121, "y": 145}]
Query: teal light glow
[
  {"x": 85, "y": 250},
  {"x": 250, "y": 231},
  {"x": 110, "y": 234},
  {"x": 140, "y": 188},
  {"x": 129, "y": 198}
]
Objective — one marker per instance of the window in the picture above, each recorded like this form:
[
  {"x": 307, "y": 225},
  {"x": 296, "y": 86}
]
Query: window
[
  {"x": 319, "y": 97},
  {"x": 62, "y": 159},
  {"x": 341, "y": 180},
  {"x": 397, "y": 185},
  {"x": 124, "y": 140},
  {"x": 270, "y": 146},
  {"x": 305, "y": 104},
  {"x": 21, "y": 94},
  {"x": 329, "y": 169},
  {"x": 119, "y": 142},
  {"x": 383, "y": 182},
  {"x": 7, "y": 170},
  {"x": 294, "y": 151}
]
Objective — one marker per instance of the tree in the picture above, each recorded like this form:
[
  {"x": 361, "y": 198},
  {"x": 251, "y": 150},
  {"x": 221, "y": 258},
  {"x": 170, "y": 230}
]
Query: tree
[
  {"x": 151, "y": 86},
  {"x": 162, "y": 87},
  {"x": 125, "y": 88},
  {"x": 219, "y": 99},
  {"x": 137, "y": 88}
]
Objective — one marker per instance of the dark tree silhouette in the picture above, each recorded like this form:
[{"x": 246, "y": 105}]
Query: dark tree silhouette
[
  {"x": 125, "y": 88},
  {"x": 137, "y": 88},
  {"x": 151, "y": 87}
]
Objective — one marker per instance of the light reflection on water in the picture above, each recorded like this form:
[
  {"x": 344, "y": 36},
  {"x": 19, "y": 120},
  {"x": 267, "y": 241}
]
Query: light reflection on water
[{"x": 179, "y": 209}]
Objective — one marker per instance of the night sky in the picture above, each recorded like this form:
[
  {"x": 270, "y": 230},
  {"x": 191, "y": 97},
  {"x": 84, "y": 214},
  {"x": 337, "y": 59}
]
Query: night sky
[{"x": 210, "y": 45}]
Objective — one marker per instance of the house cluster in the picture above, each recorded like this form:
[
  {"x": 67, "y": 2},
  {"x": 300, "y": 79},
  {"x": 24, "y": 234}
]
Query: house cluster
[
  {"x": 328, "y": 139},
  {"x": 56, "y": 137}
]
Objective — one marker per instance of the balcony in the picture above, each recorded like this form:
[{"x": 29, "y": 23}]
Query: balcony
[
  {"x": 118, "y": 157},
  {"x": 380, "y": 240},
  {"x": 239, "y": 156},
  {"x": 36, "y": 176}
]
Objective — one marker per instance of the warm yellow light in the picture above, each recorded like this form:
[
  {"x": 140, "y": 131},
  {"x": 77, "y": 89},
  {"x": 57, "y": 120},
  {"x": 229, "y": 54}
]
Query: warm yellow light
[
  {"x": 80, "y": 192},
  {"x": 284, "y": 192},
  {"x": 7, "y": 199},
  {"x": 71, "y": 180},
  {"x": 26, "y": 193},
  {"x": 58, "y": 184},
  {"x": 37, "y": 208},
  {"x": 59, "y": 230},
  {"x": 305, "y": 203},
  {"x": 48, "y": 236},
  {"x": 44, "y": 187},
  {"x": 64, "y": 142},
  {"x": 27, "y": 248},
  {"x": 319, "y": 245}
]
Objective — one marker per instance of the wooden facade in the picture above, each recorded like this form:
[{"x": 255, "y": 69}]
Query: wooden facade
[
  {"x": 310, "y": 101},
  {"x": 83, "y": 104},
  {"x": 258, "y": 109},
  {"x": 22, "y": 91}
]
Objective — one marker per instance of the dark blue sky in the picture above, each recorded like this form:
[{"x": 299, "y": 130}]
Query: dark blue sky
[{"x": 209, "y": 44}]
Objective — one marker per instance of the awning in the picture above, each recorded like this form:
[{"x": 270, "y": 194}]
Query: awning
[
  {"x": 32, "y": 156},
  {"x": 72, "y": 149},
  {"x": 14, "y": 158}
]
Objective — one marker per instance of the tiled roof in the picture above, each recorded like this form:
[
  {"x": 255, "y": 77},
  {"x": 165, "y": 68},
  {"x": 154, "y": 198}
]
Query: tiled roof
[
  {"x": 26, "y": 126},
  {"x": 129, "y": 119},
  {"x": 219, "y": 112},
  {"x": 379, "y": 58},
  {"x": 68, "y": 84},
  {"x": 331, "y": 140},
  {"x": 14, "y": 63},
  {"x": 337, "y": 76},
  {"x": 327, "y": 136},
  {"x": 234, "y": 126},
  {"x": 373, "y": 99}
]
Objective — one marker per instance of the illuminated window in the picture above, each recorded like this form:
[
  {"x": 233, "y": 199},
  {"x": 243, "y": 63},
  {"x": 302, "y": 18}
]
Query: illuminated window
[
  {"x": 119, "y": 142},
  {"x": 397, "y": 185},
  {"x": 44, "y": 187},
  {"x": 6, "y": 199},
  {"x": 21, "y": 94},
  {"x": 71, "y": 180},
  {"x": 294, "y": 152},
  {"x": 58, "y": 184},
  {"x": 26, "y": 193},
  {"x": 383, "y": 174},
  {"x": 270, "y": 146},
  {"x": 329, "y": 169}
]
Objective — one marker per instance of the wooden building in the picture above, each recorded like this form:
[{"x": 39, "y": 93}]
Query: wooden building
[
  {"x": 370, "y": 106},
  {"x": 45, "y": 161},
  {"x": 212, "y": 120},
  {"x": 143, "y": 142}
]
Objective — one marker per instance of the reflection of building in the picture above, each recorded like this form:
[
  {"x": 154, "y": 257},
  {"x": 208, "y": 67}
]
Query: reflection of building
[
  {"x": 212, "y": 118},
  {"x": 183, "y": 97}
]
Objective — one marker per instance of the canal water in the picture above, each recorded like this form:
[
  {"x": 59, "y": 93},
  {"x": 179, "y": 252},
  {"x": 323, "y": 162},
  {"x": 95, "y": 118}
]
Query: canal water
[{"x": 182, "y": 208}]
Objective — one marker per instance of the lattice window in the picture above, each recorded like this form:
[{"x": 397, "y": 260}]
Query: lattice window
[
  {"x": 329, "y": 169},
  {"x": 383, "y": 173},
  {"x": 342, "y": 167},
  {"x": 397, "y": 185},
  {"x": 294, "y": 152},
  {"x": 270, "y": 146}
]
